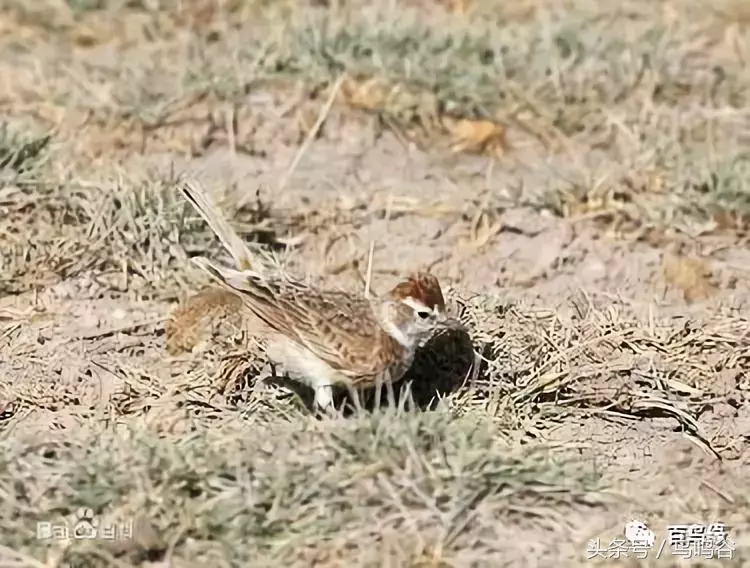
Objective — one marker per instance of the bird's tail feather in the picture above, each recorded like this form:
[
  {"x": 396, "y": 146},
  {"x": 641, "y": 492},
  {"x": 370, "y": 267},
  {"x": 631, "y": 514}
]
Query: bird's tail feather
[{"x": 195, "y": 194}]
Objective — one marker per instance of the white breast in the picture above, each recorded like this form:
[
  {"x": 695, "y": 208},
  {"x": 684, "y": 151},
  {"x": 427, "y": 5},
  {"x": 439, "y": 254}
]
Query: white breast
[{"x": 301, "y": 364}]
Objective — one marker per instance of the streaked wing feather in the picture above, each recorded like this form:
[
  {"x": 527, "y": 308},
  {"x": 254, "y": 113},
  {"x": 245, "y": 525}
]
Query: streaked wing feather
[{"x": 350, "y": 346}]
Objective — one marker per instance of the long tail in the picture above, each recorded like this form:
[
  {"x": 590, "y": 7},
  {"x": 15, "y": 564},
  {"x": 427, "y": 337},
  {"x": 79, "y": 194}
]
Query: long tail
[{"x": 240, "y": 252}]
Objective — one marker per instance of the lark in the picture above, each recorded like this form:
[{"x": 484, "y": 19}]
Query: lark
[{"x": 325, "y": 337}]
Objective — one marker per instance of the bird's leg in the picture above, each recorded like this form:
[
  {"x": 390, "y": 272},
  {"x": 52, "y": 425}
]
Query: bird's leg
[
  {"x": 391, "y": 394},
  {"x": 378, "y": 393},
  {"x": 355, "y": 397}
]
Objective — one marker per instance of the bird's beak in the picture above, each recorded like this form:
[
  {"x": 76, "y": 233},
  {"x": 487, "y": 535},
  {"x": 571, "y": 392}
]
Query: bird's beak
[{"x": 452, "y": 323}]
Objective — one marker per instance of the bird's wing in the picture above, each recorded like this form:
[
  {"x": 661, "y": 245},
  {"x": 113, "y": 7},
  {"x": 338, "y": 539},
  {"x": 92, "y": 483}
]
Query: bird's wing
[{"x": 335, "y": 327}]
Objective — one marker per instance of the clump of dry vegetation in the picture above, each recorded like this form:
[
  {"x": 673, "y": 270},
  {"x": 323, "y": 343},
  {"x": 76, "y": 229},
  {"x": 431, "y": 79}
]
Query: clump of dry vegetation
[
  {"x": 288, "y": 492},
  {"x": 620, "y": 126}
]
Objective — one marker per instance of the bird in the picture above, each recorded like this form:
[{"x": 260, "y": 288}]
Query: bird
[{"x": 325, "y": 337}]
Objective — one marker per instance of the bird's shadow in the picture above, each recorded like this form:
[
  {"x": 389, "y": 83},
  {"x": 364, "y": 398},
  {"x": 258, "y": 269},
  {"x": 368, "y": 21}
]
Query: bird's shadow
[{"x": 440, "y": 368}]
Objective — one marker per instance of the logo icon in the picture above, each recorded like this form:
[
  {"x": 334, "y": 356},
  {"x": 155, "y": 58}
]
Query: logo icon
[
  {"x": 639, "y": 534},
  {"x": 86, "y": 524}
]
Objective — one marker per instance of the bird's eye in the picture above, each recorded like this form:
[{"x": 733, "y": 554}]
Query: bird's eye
[{"x": 423, "y": 314}]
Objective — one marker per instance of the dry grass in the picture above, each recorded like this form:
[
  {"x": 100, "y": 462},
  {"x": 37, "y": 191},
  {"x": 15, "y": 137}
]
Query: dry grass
[
  {"x": 387, "y": 486},
  {"x": 631, "y": 116}
]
